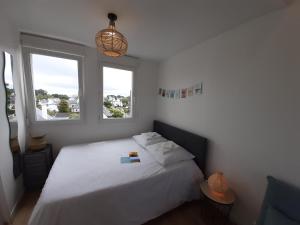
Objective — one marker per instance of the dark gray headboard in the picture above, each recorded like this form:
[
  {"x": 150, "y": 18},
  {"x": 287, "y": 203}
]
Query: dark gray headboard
[{"x": 195, "y": 144}]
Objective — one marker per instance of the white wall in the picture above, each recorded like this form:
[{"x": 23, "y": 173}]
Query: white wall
[
  {"x": 11, "y": 188},
  {"x": 4, "y": 211},
  {"x": 91, "y": 128},
  {"x": 250, "y": 106}
]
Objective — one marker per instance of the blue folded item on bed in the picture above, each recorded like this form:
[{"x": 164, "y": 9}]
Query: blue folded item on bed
[{"x": 129, "y": 159}]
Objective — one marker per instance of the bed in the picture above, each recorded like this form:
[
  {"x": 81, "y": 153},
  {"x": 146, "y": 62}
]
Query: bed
[{"x": 88, "y": 184}]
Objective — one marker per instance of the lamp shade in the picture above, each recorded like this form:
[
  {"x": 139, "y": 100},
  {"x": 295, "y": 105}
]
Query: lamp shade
[
  {"x": 218, "y": 183},
  {"x": 111, "y": 42}
]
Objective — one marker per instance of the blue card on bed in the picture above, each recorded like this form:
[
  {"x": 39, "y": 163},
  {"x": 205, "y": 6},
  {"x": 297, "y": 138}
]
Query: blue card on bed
[
  {"x": 129, "y": 159},
  {"x": 125, "y": 160}
]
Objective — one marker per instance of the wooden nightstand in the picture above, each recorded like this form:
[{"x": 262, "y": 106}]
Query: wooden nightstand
[
  {"x": 224, "y": 205},
  {"x": 37, "y": 166}
]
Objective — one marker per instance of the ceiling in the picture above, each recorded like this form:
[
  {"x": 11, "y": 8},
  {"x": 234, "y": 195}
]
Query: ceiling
[{"x": 155, "y": 29}]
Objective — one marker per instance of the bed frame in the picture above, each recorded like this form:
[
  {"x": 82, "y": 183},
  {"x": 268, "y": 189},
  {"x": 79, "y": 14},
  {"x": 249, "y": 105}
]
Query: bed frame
[{"x": 193, "y": 143}]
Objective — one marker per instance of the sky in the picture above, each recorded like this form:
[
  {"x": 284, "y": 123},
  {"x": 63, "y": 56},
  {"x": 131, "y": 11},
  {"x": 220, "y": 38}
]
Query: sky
[
  {"x": 60, "y": 76},
  {"x": 117, "y": 82},
  {"x": 55, "y": 75},
  {"x": 8, "y": 71}
]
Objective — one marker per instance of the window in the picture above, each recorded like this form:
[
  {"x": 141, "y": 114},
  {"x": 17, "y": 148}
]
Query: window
[
  {"x": 117, "y": 93},
  {"x": 55, "y": 82}
]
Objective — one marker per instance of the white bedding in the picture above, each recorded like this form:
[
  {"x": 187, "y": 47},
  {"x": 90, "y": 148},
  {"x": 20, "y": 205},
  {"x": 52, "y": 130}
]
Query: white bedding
[{"x": 89, "y": 186}]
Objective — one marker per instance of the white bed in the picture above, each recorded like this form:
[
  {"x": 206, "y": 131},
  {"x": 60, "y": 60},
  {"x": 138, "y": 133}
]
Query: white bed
[{"x": 89, "y": 186}]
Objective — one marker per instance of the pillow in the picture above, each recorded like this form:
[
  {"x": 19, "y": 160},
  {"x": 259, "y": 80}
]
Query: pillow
[
  {"x": 274, "y": 217},
  {"x": 145, "y": 140},
  {"x": 167, "y": 153},
  {"x": 150, "y": 135}
]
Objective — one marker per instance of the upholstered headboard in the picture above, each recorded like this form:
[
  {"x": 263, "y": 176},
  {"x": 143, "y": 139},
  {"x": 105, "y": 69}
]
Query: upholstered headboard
[{"x": 193, "y": 143}]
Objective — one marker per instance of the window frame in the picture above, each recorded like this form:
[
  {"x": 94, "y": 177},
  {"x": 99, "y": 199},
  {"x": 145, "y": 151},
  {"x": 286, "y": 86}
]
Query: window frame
[
  {"x": 133, "y": 104},
  {"x": 31, "y": 112}
]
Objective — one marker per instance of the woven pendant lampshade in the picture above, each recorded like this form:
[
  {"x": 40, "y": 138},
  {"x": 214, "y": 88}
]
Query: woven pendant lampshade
[{"x": 111, "y": 42}]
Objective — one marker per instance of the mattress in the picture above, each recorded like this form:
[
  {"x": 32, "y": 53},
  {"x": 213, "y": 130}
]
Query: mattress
[{"x": 88, "y": 185}]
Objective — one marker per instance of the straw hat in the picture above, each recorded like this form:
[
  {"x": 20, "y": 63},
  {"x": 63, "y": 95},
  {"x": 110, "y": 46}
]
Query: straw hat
[
  {"x": 38, "y": 142},
  {"x": 216, "y": 188}
]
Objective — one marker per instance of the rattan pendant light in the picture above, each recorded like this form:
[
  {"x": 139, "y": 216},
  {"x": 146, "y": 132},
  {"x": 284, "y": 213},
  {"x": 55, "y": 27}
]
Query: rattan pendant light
[{"x": 111, "y": 42}]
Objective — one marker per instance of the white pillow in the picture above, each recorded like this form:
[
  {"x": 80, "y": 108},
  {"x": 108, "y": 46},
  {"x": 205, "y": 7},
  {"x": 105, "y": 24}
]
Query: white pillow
[
  {"x": 167, "y": 153},
  {"x": 150, "y": 135},
  {"x": 145, "y": 140}
]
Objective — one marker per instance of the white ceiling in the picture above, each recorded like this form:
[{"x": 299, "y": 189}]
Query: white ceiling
[{"x": 155, "y": 29}]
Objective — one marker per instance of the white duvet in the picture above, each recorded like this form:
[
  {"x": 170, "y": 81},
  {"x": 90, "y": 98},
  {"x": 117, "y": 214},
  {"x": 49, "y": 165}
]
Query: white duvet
[{"x": 89, "y": 186}]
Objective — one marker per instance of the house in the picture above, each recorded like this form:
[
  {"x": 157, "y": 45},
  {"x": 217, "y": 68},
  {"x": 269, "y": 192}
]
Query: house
[
  {"x": 117, "y": 102},
  {"x": 50, "y": 104},
  {"x": 74, "y": 104},
  {"x": 146, "y": 112},
  {"x": 75, "y": 108}
]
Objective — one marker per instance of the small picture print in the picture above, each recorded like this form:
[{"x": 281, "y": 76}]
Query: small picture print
[
  {"x": 168, "y": 93},
  {"x": 160, "y": 91},
  {"x": 191, "y": 91},
  {"x": 172, "y": 94},
  {"x": 177, "y": 94},
  {"x": 163, "y": 93},
  {"x": 183, "y": 93},
  {"x": 198, "y": 89}
]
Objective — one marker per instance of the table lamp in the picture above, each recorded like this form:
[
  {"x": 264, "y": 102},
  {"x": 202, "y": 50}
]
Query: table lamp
[{"x": 217, "y": 183}]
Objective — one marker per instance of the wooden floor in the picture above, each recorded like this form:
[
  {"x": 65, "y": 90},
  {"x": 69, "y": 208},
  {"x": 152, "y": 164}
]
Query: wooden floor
[
  {"x": 192, "y": 213},
  {"x": 25, "y": 208}
]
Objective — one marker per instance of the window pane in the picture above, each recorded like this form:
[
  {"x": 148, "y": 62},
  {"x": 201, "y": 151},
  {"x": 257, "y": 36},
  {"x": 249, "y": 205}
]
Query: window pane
[
  {"x": 55, "y": 84},
  {"x": 117, "y": 93},
  {"x": 8, "y": 79}
]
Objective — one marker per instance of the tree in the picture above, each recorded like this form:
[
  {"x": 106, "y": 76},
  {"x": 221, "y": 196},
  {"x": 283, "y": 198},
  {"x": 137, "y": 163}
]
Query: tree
[
  {"x": 60, "y": 96},
  {"x": 126, "y": 110},
  {"x": 51, "y": 112},
  {"x": 125, "y": 101},
  {"x": 63, "y": 106},
  {"x": 10, "y": 101},
  {"x": 10, "y": 93},
  {"x": 41, "y": 94},
  {"x": 112, "y": 96},
  {"x": 38, "y": 105},
  {"x": 116, "y": 113},
  {"x": 107, "y": 103}
]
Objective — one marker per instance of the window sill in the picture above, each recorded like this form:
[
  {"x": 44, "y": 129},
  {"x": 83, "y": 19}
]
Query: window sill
[
  {"x": 117, "y": 120},
  {"x": 57, "y": 122}
]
